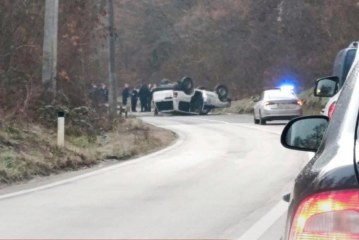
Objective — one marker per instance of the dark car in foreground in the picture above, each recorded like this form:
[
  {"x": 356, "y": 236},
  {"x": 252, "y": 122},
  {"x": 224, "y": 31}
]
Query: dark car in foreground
[{"x": 324, "y": 203}]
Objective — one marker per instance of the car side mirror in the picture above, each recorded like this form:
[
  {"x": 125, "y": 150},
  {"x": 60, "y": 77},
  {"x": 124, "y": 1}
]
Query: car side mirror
[
  {"x": 304, "y": 133},
  {"x": 326, "y": 87}
]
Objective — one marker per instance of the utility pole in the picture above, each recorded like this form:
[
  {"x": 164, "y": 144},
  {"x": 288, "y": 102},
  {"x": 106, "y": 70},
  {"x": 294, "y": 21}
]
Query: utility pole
[
  {"x": 49, "y": 59},
  {"x": 112, "y": 84}
]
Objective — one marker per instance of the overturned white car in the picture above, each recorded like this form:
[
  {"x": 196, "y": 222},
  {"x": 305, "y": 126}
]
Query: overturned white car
[{"x": 182, "y": 98}]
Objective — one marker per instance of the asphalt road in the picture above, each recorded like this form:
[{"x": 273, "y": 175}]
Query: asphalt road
[{"x": 223, "y": 178}]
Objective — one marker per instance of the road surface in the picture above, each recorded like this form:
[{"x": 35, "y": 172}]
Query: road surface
[{"x": 222, "y": 179}]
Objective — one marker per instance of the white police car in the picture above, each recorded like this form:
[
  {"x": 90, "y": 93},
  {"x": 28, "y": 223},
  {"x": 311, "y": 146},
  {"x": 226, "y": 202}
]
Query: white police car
[
  {"x": 182, "y": 98},
  {"x": 277, "y": 104}
]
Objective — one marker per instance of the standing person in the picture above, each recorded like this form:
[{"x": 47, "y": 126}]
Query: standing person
[
  {"x": 103, "y": 93},
  {"x": 92, "y": 94},
  {"x": 125, "y": 95},
  {"x": 149, "y": 98},
  {"x": 134, "y": 97},
  {"x": 143, "y": 94}
]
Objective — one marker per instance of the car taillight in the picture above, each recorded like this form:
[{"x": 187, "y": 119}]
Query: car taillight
[
  {"x": 331, "y": 109},
  {"x": 175, "y": 94},
  {"x": 300, "y": 103},
  {"x": 327, "y": 216}
]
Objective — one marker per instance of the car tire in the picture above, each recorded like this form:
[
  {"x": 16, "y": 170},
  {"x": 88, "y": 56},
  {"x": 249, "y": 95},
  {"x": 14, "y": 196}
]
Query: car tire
[
  {"x": 186, "y": 85},
  {"x": 262, "y": 121},
  {"x": 222, "y": 92},
  {"x": 255, "y": 120}
]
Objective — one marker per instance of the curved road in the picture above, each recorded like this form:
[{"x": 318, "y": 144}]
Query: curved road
[{"x": 220, "y": 178}]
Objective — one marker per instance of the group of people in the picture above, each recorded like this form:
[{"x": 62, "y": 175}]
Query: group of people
[
  {"x": 98, "y": 94},
  {"x": 143, "y": 93}
]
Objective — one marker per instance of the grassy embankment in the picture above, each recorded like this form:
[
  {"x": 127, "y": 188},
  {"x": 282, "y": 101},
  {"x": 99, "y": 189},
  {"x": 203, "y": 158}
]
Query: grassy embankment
[
  {"x": 312, "y": 105},
  {"x": 27, "y": 151}
]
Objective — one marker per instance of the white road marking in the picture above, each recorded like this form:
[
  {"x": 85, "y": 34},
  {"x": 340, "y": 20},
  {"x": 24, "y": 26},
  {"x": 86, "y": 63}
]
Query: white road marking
[
  {"x": 261, "y": 226},
  {"x": 96, "y": 172}
]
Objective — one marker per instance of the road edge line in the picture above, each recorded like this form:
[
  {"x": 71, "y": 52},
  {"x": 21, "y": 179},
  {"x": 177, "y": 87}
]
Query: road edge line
[
  {"x": 261, "y": 226},
  {"x": 257, "y": 230}
]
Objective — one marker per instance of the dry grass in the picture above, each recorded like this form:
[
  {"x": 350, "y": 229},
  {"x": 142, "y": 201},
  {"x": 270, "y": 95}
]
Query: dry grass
[
  {"x": 243, "y": 106},
  {"x": 28, "y": 151}
]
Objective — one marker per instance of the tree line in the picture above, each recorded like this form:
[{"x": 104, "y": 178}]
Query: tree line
[{"x": 246, "y": 44}]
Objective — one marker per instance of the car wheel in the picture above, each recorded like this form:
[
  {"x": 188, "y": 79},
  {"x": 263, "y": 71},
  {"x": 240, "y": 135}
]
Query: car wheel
[
  {"x": 256, "y": 121},
  {"x": 222, "y": 92},
  {"x": 261, "y": 120},
  {"x": 186, "y": 84}
]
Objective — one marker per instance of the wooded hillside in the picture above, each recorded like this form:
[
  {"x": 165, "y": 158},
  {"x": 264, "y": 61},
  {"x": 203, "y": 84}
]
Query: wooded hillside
[{"x": 247, "y": 44}]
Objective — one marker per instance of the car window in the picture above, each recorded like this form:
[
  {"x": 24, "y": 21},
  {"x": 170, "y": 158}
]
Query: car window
[
  {"x": 349, "y": 59},
  {"x": 279, "y": 95},
  {"x": 342, "y": 64}
]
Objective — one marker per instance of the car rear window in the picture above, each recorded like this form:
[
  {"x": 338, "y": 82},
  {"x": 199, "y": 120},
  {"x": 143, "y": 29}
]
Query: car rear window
[{"x": 280, "y": 95}]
